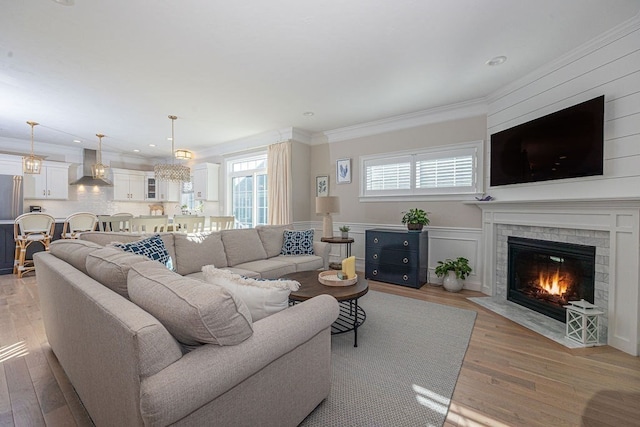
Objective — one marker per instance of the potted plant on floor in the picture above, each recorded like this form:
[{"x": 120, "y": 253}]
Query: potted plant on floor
[
  {"x": 454, "y": 272},
  {"x": 345, "y": 231},
  {"x": 415, "y": 219}
]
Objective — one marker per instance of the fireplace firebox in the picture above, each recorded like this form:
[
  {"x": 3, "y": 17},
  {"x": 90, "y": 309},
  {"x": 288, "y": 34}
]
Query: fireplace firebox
[{"x": 545, "y": 275}]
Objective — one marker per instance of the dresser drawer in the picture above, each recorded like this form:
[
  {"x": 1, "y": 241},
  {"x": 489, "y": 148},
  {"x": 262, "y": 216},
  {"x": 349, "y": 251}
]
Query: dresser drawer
[
  {"x": 392, "y": 256},
  {"x": 395, "y": 274},
  {"x": 398, "y": 241}
]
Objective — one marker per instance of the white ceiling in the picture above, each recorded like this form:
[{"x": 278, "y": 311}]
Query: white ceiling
[{"x": 230, "y": 70}]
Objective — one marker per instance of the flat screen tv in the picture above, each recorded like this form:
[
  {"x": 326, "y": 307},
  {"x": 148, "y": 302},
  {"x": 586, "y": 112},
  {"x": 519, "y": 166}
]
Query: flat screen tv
[{"x": 566, "y": 144}]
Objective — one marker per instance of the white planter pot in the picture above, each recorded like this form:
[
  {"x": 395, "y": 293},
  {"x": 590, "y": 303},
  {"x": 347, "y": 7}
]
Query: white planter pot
[{"x": 451, "y": 282}]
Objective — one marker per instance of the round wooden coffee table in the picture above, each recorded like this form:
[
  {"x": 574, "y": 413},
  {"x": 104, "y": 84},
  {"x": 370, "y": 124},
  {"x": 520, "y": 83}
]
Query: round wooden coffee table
[{"x": 351, "y": 317}]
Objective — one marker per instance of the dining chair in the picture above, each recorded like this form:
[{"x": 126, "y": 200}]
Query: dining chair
[
  {"x": 218, "y": 223},
  {"x": 150, "y": 223},
  {"x": 117, "y": 222},
  {"x": 188, "y": 223},
  {"x": 78, "y": 222},
  {"x": 27, "y": 229}
]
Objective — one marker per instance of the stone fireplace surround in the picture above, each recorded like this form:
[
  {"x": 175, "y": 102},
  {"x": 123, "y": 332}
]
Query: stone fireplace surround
[{"x": 611, "y": 225}]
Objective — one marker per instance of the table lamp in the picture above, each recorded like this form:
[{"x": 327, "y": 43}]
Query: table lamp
[{"x": 326, "y": 206}]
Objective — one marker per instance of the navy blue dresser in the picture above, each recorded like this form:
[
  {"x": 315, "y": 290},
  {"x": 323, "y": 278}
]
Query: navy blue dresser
[{"x": 398, "y": 257}]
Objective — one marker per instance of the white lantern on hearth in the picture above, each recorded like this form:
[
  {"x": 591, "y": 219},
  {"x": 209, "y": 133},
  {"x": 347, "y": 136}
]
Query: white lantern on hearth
[{"x": 583, "y": 322}]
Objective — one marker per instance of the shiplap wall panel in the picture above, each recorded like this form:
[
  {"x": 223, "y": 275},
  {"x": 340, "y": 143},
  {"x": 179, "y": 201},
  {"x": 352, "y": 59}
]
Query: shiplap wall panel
[
  {"x": 548, "y": 81},
  {"x": 555, "y": 96},
  {"x": 623, "y": 147},
  {"x": 625, "y": 105},
  {"x": 610, "y": 66}
]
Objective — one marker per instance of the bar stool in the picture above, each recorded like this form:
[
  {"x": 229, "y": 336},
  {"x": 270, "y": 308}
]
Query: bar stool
[
  {"x": 78, "y": 222},
  {"x": 27, "y": 229},
  {"x": 222, "y": 222},
  {"x": 188, "y": 223}
]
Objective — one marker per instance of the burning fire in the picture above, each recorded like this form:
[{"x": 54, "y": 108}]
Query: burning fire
[{"x": 551, "y": 283}]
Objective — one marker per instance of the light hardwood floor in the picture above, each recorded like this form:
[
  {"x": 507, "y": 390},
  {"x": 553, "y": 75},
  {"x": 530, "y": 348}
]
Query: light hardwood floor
[{"x": 510, "y": 376}]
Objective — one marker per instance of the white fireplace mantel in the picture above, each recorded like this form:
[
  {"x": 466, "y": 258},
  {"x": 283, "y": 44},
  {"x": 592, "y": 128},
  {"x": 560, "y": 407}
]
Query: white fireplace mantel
[{"x": 619, "y": 217}]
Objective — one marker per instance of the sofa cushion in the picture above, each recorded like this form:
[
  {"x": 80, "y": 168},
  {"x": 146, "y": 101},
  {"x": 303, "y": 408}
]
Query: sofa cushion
[
  {"x": 195, "y": 250},
  {"x": 74, "y": 252},
  {"x": 272, "y": 237},
  {"x": 193, "y": 311},
  {"x": 297, "y": 242},
  {"x": 263, "y": 297},
  {"x": 242, "y": 246},
  {"x": 110, "y": 266},
  {"x": 268, "y": 268},
  {"x": 302, "y": 262},
  {"x": 152, "y": 247}
]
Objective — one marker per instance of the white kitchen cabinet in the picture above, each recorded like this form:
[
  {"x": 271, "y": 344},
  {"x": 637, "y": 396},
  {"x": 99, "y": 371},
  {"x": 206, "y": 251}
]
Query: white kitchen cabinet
[
  {"x": 168, "y": 191},
  {"x": 51, "y": 183},
  {"x": 129, "y": 185},
  {"x": 205, "y": 181},
  {"x": 160, "y": 190},
  {"x": 151, "y": 187}
]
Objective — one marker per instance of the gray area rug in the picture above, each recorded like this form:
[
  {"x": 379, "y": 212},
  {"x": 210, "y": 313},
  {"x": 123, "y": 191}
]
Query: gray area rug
[{"x": 405, "y": 367}]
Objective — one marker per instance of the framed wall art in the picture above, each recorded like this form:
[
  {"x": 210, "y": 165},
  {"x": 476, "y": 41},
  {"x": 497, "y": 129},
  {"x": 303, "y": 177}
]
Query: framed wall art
[
  {"x": 343, "y": 171},
  {"x": 322, "y": 186}
]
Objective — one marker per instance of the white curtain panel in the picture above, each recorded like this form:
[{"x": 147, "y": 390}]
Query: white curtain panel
[{"x": 279, "y": 183}]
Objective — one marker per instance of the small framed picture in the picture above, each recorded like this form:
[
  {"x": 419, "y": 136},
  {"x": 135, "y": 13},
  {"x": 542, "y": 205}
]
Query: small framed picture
[
  {"x": 343, "y": 171},
  {"x": 322, "y": 186}
]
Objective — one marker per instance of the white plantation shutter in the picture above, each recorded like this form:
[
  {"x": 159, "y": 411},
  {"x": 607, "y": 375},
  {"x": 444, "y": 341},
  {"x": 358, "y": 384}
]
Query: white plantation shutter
[
  {"x": 389, "y": 174},
  {"x": 443, "y": 170}
]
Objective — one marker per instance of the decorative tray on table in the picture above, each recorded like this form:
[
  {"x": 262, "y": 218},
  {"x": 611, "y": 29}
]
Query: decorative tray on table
[{"x": 330, "y": 278}]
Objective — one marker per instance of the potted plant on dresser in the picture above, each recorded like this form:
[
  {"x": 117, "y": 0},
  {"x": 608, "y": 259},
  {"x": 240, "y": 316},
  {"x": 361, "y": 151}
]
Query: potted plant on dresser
[
  {"x": 415, "y": 219},
  {"x": 454, "y": 272}
]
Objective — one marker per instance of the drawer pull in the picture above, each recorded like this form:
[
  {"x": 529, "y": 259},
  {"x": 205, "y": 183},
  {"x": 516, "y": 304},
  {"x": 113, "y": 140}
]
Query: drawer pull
[
  {"x": 375, "y": 256},
  {"x": 375, "y": 240},
  {"x": 405, "y": 260},
  {"x": 405, "y": 277},
  {"x": 405, "y": 243},
  {"x": 375, "y": 272}
]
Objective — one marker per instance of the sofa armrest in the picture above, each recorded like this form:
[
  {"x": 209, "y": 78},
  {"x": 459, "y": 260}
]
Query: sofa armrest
[
  {"x": 322, "y": 249},
  {"x": 204, "y": 374}
]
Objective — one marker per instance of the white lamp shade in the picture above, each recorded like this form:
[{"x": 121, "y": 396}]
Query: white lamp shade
[{"x": 328, "y": 204}]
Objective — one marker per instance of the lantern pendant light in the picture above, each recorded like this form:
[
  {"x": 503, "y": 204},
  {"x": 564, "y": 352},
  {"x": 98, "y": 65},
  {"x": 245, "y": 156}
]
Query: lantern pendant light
[{"x": 31, "y": 164}]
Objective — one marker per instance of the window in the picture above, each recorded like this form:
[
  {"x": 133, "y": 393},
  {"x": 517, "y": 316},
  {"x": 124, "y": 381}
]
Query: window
[
  {"x": 446, "y": 170},
  {"x": 248, "y": 189}
]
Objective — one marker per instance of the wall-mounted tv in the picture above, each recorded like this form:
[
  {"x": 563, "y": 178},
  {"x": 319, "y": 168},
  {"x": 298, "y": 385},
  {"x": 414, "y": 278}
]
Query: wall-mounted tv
[{"x": 566, "y": 144}]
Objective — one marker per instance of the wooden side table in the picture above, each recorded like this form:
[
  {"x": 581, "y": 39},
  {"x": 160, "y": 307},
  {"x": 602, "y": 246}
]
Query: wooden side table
[{"x": 338, "y": 241}]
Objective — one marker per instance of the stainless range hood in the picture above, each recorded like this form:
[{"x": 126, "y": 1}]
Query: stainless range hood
[{"x": 90, "y": 158}]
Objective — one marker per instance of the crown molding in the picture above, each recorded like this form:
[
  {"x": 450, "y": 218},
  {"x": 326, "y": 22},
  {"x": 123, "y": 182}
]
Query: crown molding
[
  {"x": 585, "y": 49},
  {"x": 476, "y": 107},
  {"x": 257, "y": 141}
]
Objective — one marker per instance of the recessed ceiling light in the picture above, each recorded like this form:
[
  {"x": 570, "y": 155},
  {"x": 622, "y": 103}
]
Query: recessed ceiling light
[
  {"x": 496, "y": 60},
  {"x": 65, "y": 2},
  {"x": 77, "y": 141},
  {"x": 308, "y": 113},
  {"x": 152, "y": 145},
  {"x": 136, "y": 151},
  {"x": 169, "y": 139}
]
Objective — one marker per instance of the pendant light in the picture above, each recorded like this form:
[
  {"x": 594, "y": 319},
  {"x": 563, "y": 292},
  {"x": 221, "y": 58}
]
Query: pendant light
[
  {"x": 31, "y": 164},
  {"x": 99, "y": 170},
  {"x": 172, "y": 171}
]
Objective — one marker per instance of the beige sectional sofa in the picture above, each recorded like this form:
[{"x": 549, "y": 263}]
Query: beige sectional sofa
[{"x": 128, "y": 369}]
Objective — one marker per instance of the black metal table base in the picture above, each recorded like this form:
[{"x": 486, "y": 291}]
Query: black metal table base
[{"x": 351, "y": 317}]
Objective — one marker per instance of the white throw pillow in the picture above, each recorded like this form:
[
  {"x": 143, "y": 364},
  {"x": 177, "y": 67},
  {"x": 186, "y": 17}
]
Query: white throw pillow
[{"x": 263, "y": 297}]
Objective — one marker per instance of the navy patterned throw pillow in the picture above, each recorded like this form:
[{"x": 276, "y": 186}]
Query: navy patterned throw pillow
[
  {"x": 152, "y": 247},
  {"x": 297, "y": 242}
]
